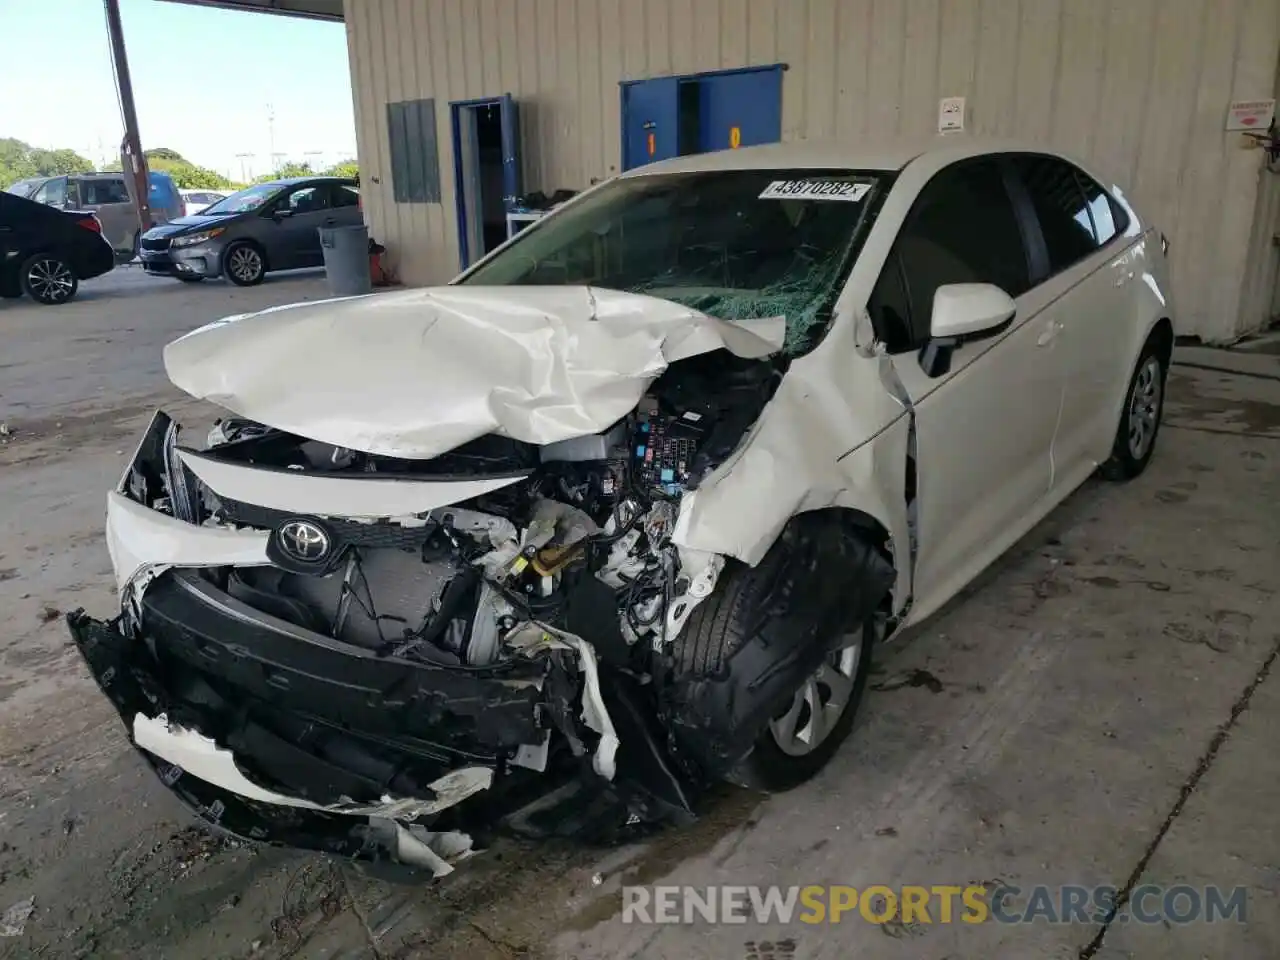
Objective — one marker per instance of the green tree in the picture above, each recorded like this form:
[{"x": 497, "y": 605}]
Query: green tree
[
  {"x": 185, "y": 174},
  {"x": 347, "y": 168},
  {"x": 19, "y": 160},
  {"x": 286, "y": 170}
]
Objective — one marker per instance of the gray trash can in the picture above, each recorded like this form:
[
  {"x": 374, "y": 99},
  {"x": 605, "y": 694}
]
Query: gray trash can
[{"x": 346, "y": 259}]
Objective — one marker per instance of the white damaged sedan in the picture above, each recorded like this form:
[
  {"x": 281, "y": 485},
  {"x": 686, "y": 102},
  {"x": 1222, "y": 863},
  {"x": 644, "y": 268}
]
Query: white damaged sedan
[{"x": 625, "y": 509}]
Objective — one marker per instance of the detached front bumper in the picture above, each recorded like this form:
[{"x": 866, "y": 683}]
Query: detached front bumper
[{"x": 294, "y": 739}]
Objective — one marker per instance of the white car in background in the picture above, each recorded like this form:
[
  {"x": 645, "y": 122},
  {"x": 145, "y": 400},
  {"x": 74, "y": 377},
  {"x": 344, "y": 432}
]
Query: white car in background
[
  {"x": 194, "y": 201},
  {"x": 628, "y": 506}
]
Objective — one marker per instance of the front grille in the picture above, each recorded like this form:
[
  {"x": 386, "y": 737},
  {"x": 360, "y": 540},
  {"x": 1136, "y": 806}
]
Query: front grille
[
  {"x": 346, "y": 532},
  {"x": 155, "y": 243}
]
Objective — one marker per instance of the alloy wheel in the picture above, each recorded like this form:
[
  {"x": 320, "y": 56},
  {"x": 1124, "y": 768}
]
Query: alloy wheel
[
  {"x": 1144, "y": 408},
  {"x": 50, "y": 280},
  {"x": 819, "y": 702},
  {"x": 245, "y": 263}
]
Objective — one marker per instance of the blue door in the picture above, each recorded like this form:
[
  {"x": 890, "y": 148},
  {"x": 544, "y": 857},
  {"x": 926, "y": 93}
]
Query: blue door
[
  {"x": 740, "y": 109},
  {"x": 650, "y": 121},
  {"x": 467, "y": 174},
  {"x": 512, "y": 186}
]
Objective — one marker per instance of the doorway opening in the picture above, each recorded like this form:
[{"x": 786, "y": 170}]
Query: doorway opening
[{"x": 487, "y": 169}]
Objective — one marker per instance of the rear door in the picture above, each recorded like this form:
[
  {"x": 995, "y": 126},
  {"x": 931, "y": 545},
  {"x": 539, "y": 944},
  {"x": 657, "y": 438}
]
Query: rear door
[
  {"x": 344, "y": 206},
  {"x": 1088, "y": 278},
  {"x": 108, "y": 197}
]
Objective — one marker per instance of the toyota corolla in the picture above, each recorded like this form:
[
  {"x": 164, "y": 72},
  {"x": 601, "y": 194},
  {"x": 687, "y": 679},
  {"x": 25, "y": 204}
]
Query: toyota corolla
[{"x": 627, "y": 508}]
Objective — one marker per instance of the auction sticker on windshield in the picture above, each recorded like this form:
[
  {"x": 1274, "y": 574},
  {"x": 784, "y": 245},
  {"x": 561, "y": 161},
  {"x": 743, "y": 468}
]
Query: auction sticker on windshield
[{"x": 815, "y": 189}]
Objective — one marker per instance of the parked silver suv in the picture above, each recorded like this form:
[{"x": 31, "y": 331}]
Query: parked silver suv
[{"x": 107, "y": 196}]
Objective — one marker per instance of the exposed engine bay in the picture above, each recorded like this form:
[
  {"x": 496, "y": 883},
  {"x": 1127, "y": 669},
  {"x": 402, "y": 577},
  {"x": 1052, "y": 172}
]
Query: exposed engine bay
[
  {"x": 587, "y": 526},
  {"x": 327, "y": 644}
]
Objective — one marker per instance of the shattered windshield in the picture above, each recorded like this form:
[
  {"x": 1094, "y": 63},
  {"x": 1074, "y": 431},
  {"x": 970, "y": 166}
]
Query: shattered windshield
[{"x": 739, "y": 245}]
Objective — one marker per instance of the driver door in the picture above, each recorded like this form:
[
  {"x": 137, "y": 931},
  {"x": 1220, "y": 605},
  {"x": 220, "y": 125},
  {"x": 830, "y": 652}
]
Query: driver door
[
  {"x": 298, "y": 215},
  {"x": 984, "y": 428}
]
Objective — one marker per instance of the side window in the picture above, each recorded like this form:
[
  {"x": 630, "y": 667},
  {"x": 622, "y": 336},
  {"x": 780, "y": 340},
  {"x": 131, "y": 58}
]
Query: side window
[
  {"x": 961, "y": 229},
  {"x": 889, "y": 308},
  {"x": 1061, "y": 209},
  {"x": 344, "y": 195},
  {"x": 1108, "y": 219},
  {"x": 306, "y": 199},
  {"x": 98, "y": 192},
  {"x": 53, "y": 193}
]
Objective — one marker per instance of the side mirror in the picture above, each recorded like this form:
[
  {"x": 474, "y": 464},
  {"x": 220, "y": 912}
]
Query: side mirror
[
  {"x": 962, "y": 313},
  {"x": 279, "y": 215}
]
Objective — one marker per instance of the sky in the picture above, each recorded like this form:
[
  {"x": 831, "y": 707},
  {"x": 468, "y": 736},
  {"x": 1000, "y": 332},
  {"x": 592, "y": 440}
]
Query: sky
[{"x": 205, "y": 82}]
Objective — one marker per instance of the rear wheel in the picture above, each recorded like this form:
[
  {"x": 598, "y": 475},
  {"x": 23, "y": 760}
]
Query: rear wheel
[
  {"x": 47, "y": 278},
  {"x": 1135, "y": 439},
  {"x": 244, "y": 264}
]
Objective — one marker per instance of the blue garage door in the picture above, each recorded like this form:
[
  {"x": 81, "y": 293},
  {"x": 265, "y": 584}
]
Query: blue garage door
[
  {"x": 650, "y": 126},
  {"x": 671, "y": 116},
  {"x": 748, "y": 102}
]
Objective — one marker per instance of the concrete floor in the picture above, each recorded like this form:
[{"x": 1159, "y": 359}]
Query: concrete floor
[{"x": 1098, "y": 710}]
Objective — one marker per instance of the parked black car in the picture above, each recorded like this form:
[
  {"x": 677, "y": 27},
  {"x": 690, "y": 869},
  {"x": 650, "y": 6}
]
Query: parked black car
[
  {"x": 45, "y": 252},
  {"x": 268, "y": 226}
]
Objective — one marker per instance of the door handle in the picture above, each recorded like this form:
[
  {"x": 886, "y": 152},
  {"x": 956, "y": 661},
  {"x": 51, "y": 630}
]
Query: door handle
[
  {"x": 329, "y": 221},
  {"x": 1049, "y": 333}
]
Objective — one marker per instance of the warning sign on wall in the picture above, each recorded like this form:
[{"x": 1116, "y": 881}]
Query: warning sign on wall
[
  {"x": 951, "y": 114},
  {"x": 1250, "y": 114}
]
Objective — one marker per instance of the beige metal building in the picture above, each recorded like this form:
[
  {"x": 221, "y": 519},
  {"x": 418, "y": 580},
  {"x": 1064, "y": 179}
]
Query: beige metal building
[{"x": 1142, "y": 88}]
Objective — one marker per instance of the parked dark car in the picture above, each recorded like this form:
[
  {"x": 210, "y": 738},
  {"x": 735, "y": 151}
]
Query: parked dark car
[
  {"x": 45, "y": 252},
  {"x": 269, "y": 226}
]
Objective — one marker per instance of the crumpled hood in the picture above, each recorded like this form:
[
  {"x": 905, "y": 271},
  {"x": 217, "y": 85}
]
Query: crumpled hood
[{"x": 419, "y": 372}]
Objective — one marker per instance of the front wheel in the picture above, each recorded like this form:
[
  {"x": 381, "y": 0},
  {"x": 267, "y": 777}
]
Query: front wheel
[
  {"x": 244, "y": 264},
  {"x": 769, "y": 671},
  {"x": 48, "y": 279},
  {"x": 802, "y": 739},
  {"x": 1135, "y": 439}
]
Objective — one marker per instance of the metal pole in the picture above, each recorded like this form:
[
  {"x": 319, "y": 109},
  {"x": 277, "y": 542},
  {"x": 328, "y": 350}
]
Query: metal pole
[{"x": 133, "y": 163}]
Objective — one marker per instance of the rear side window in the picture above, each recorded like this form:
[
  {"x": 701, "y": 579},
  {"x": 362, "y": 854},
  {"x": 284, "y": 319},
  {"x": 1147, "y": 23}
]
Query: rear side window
[
  {"x": 1075, "y": 214},
  {"x": 97, "y": 192},
  {"x": 345, "y": 195},
  {"x": 1109, "y": 219},
  {"x": 962, "y": 229}
]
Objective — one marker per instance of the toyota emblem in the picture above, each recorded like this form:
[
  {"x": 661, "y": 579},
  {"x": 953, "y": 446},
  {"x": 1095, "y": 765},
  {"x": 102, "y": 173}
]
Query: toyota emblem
[{"x": 303, "y": 541}]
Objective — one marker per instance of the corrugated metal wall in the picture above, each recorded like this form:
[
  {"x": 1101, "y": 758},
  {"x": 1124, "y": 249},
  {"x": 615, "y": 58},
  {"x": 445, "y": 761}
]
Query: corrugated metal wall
[{"x": 1141, "y": 87}]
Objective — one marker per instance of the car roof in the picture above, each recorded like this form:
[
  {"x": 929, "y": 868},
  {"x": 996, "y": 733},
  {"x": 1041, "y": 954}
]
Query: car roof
[
  {"x": 886, "y": 153},
  {"x": 314, "y": 178}
]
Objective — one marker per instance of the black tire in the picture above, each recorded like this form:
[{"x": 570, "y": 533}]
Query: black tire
[
  {"x": 729, "y": 621},
  {"x": 244, "y": 263},
  {"x": 769, "y": 768},
  {"x": 1143, "y": 410},
  {"x": 48, "y": 279}
]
